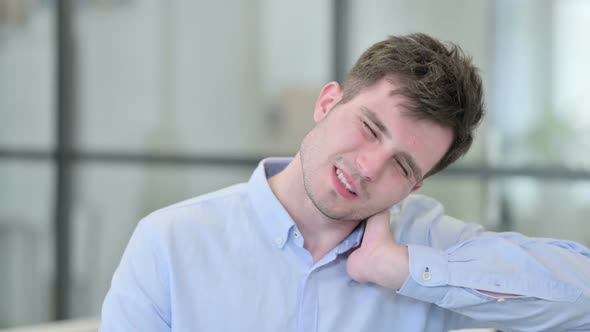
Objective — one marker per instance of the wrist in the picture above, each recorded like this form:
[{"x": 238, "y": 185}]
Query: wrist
[{"x": 391, "y": 266}]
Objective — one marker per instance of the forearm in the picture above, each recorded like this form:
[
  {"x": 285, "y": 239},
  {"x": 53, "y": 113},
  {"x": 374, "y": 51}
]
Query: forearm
[
  {"x": 466, "y": 265},
  {"x": 512, "y": 281},
  {"x": 551, "y": 282}
]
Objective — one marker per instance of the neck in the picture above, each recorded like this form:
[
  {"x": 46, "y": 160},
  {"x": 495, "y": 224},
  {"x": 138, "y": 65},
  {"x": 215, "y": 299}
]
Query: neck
[{"x": 320, "y": 233}]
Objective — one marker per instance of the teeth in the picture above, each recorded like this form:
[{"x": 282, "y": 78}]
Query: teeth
[{"x": 343, "y": 180}]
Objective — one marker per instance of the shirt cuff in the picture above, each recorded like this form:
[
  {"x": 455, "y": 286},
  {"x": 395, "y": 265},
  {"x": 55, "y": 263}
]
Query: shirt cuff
[{"x": 429, "y": 274}]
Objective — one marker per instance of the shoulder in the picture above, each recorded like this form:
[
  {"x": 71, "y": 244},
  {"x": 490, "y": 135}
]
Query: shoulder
[
  {"x": 209, "y": 211},
  {"x": 232, "y": 194},
  {"x": 420, "y": 219},
  {"x": 412, "y": 218},
  {"x": 416, "y": 205}
]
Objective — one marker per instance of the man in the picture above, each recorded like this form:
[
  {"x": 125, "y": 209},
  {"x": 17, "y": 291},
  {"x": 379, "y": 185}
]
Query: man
[{"x": 332, "y": 241}]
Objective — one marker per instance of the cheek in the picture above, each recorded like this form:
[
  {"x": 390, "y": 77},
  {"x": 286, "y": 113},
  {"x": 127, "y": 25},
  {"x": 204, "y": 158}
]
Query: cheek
[
  {"x": 353, "y": 139},
  {"x": 342, "y": 139}
]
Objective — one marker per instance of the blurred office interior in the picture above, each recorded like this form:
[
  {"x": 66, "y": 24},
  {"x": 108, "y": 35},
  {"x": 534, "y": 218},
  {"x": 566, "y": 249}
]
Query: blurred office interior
[{"x": 110, "y": 109}]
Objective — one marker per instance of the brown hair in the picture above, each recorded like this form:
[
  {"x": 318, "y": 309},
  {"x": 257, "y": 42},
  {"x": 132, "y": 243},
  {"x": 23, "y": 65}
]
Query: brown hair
[{"x": 440, "y": 82}]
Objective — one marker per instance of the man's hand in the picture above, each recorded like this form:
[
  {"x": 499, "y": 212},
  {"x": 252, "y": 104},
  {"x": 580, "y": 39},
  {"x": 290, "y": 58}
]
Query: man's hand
[{"x": 379, "y": 259}]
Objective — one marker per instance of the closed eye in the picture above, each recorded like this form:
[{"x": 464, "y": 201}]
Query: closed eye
[
  {"x": 404, "y": 170},
  {"x": 370, "y": 129}
]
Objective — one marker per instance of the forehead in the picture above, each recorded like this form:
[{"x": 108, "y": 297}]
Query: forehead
[{"x": 383, "y": 92}]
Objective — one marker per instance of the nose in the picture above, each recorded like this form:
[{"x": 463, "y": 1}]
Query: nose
[{"x": 371, "y": 164}]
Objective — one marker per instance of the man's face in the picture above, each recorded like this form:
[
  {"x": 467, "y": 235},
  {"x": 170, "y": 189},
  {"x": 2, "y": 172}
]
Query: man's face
[{"x": 366, "y": 155}]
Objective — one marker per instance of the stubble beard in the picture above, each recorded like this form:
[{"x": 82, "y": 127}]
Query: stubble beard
[
  {"x": 322, "y": 204},
  {"x": 308, "y": 153}
]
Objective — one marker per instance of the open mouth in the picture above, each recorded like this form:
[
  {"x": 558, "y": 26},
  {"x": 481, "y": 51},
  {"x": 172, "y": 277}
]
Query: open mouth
[{"x": 343, "y": 184}]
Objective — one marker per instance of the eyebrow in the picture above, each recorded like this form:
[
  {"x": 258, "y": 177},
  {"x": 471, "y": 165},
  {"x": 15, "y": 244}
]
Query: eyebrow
[{"x": 406, "y": 156}]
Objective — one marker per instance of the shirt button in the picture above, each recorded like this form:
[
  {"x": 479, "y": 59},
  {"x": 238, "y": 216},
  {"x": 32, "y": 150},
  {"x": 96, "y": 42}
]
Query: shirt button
[
  {"x": 500, "y": 300},
  {"x": 279, "y": 241},
  {"x": 426, "y": 275},
  {"x": 296, "y": 235}
]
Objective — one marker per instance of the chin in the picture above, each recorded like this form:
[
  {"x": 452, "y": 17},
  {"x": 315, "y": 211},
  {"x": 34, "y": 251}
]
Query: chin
[{"x": 344, "y": 216}]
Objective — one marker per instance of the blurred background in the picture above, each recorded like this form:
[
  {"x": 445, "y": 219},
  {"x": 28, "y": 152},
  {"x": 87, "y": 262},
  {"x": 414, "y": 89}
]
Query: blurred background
[{"x": 110, "y": 109}]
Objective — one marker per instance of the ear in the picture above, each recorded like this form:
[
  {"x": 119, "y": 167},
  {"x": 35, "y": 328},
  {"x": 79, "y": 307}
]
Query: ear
[
  {"x": 330, "y": 96},
  {"x": 417, "y": 186}
]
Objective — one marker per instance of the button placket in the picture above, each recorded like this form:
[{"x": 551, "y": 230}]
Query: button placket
[{"x": 279, "y": 241}]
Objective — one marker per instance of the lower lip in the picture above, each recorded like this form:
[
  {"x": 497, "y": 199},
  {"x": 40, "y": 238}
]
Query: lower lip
[{"x": 340, "y": 188}]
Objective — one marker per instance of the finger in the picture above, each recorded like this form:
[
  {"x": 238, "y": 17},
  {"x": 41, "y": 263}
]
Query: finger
[{"x": 377, "y": 226}]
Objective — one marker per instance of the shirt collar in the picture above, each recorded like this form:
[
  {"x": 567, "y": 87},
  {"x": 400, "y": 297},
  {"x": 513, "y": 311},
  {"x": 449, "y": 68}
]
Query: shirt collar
[
  {"x": 275, "y": 219},
  {"x": 273, "y": 216},
  {"x": 353, "y": 240}
]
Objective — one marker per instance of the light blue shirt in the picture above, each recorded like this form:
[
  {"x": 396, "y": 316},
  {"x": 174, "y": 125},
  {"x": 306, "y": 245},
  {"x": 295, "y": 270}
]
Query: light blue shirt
[{"x": 233, "y": 260}]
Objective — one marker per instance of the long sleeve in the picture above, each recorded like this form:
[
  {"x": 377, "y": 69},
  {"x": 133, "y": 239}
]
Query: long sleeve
[
  {"x": 137, "y": 299},
  {"x": 452, "y": 262}
]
